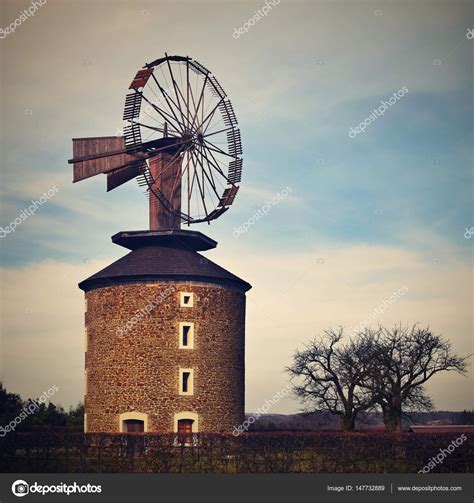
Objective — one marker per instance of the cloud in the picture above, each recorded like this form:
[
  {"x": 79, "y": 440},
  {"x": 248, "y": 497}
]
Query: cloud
[
  {"x": 296, "y": 296},
  {"x": 42, "y": 328}
]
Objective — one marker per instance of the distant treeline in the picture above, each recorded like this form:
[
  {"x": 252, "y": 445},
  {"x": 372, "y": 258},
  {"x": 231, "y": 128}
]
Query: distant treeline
[
  {"x": 30, "y": 414},
  {"x": 371, "y": 420}
]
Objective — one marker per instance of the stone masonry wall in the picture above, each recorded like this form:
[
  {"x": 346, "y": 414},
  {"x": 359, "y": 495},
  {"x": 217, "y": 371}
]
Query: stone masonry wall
[{"x": 134, "y": 367}]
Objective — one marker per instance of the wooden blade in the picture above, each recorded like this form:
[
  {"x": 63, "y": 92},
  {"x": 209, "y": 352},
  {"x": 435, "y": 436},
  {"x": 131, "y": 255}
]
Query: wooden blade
[
  {"x": 141, "y": 78},
  {"x": 229, "y": 195},
  {"x": 103, "y": 147}
]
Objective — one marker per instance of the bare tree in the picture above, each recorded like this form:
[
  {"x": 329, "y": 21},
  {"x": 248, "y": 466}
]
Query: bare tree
[
  {"x": 326, "y": 376},
  {"x": 402, "y": 360}
]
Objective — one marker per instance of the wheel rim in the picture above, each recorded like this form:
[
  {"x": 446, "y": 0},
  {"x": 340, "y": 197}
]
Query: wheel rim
[{"x": 176, "y": 97}]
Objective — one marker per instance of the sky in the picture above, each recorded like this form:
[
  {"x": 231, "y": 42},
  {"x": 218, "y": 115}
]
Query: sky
[{"x": 390, "y": 208}]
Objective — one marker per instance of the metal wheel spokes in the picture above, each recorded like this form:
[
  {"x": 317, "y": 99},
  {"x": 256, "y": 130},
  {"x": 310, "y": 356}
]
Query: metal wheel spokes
[{"x": 178, "y": 99}]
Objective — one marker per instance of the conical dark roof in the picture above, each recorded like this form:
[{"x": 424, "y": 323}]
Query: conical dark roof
[{"x": 170, "y": 258}]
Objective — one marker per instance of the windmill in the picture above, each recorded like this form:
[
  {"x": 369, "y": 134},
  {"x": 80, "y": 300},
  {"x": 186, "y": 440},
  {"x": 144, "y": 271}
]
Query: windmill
[
  {"x": 180, "y": 141},
  {"x": 165, "y": 326}
]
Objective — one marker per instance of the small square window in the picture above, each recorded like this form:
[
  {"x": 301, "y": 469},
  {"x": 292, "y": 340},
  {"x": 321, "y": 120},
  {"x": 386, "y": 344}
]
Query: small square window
[
  {"x": 186, "y": 381},
  {"x": 186, "y": 335},
  {"x": 186, "y": 299}
]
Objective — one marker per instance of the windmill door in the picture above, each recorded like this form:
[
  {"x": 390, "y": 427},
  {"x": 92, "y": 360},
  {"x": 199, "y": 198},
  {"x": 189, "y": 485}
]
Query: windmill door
[
  {"x": 185, "y": 428},
  {"x": 134, "y": 426}
]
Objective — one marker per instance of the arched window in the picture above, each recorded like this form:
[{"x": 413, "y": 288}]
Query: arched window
[
  {"x": 133, "y": 422},
  {"x": 186, "y": 424}
]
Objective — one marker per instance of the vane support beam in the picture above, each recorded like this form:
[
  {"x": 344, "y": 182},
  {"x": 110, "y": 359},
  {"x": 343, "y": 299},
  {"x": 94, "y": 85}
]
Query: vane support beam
[{"x": 165, "y": 169}]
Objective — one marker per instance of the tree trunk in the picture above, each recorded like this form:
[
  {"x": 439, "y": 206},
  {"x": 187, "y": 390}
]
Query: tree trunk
[
  {"x": 392, "y": 415},
  {"x": 347, "y": 422}
]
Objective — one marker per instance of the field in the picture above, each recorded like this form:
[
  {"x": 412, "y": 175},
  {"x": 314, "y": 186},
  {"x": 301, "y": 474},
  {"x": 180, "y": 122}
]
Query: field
[{"x": 282, "y": 452}]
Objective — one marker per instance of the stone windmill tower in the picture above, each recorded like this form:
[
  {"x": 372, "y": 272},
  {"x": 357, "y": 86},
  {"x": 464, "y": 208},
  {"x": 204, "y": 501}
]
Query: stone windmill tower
[{"x": 165, "y": 326}]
